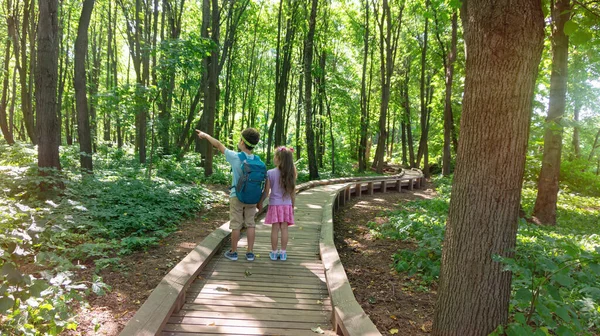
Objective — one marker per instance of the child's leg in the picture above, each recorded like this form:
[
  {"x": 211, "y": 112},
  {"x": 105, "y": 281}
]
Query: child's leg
[
  {"x": 250, "y": 234},
  {"x": 284, "y": 235},
  {"x": 274, "y": 236},
  {"x": 235, "y": 237}
]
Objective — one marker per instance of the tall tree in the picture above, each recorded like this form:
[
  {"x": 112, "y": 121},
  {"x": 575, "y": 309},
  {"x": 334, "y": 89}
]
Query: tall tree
[
  {"x": 364, "y": 112},
  {"x": 83, "y": 117},
  {"x": 545, "y": 203},
  {"x": 389, "y": 34},
  {"x": 4, "y": 122},
  {"x": 423, "y": 96},
  {"x": 474, "y": 290},
  {"x": 313, "y": 170},
  {"x": 46, "y": 82},
  {"x": 448, "y": 58}
]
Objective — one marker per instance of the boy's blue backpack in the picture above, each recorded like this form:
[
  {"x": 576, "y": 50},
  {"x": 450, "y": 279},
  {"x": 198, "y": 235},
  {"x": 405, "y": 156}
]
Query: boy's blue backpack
[{"x": 250, "y": 185}]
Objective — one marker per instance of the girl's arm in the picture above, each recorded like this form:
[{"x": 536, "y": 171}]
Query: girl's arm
[{"x": 259, "y": 205}]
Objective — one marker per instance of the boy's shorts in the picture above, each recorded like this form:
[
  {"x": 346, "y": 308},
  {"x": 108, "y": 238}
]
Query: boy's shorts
[{"x": 241, "y": 214}]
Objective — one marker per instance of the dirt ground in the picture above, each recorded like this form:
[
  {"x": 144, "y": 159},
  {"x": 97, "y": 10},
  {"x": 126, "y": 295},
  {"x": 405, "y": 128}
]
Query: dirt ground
[
  {"x": 380, "y": 290},
  {"x": 138, "y": 274}
]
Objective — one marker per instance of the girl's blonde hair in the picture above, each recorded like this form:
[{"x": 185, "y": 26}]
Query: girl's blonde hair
[{"x": 287, "y": 178}]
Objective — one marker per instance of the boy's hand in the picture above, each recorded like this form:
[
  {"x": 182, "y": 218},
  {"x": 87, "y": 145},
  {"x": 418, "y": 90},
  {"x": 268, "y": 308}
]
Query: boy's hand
[{"x": 201, "y": 134}]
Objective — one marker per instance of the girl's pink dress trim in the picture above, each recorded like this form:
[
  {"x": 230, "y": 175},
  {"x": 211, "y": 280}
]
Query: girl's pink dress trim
[{"x": 280, "y": 214}]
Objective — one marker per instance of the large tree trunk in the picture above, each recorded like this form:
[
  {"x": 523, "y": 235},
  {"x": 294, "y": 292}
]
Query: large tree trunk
[
  {"x": 46, "y": 82},
  {"x": 474, "y": 290},
  {"x": 83, "y": 117},
  {"x": 4, "y": 125},
  {"x": 407, "y": 117},
  {"x": 448, "y": 120},
  {"x": 545, "y": 203},
  {"x": 308, "y": 106}
]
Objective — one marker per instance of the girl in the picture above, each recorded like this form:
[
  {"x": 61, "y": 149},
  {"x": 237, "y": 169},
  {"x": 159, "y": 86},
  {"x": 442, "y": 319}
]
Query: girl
[{"x": 281, "y": 183}]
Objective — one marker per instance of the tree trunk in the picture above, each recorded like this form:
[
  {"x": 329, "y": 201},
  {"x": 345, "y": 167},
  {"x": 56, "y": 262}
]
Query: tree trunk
[
  {"x": 364, "y": 112},
  {"x": 448, "y": 120},
  {"x": 576, "y": 147},
  {"x": 423, "y": 140},
  {"x": 407, "y": 117},
  {"x": 308, "y": 112},
  {"x": 4, "y": 126},
  {"x": 83, "y": 118},
  {"x": 474, "y": 290},
  {"x": 545, "y": 203},
  {"x": 46, "y": 82}
]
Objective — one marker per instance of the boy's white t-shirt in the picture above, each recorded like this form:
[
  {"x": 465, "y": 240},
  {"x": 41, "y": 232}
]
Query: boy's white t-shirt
[{"x": 236, "y": 165}]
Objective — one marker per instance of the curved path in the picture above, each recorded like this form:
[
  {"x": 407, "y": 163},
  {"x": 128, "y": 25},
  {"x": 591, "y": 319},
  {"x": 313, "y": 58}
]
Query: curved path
[{"x": 206, "y": 294}]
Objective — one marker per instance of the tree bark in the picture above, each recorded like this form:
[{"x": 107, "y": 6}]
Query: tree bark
[
  {"x": 83, "y": 117},
  {"x": 4, "y": 125},
  {"x": 545, "y": 203},
  {"x": 575, "y": 141},
  {"x": 308, "y": 108},
  {"x": 423, "y": 140},
  {"x": 364, "y": 112},
  {"x": 46, "y": 82},
  {"x": 504, "y": 41},
  {"x": 448, "y": 120}
]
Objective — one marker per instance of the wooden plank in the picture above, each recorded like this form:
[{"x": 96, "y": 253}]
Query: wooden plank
[
  {"x": 290, "y": 279},
  {"x": 243, "y": 295},
  {"x": 169, "y": 294},
  {"x": 228, "y": 282},
  {"x": 275, "y": 270},
  {"x": 257, "y": 288},
  {"x": 256, "y": 311},
  {"x": 358, "y": 189},
  {"x": 263, "y": 303},
  {"x": 349, "y": 316},
  {"x": 321, "y": 318},
  {"x": 258, "y": 323},
  {"x": 200, "y": 330},
  {"x": 410, "y": 184},
  {"x": 370, "y": 188}
]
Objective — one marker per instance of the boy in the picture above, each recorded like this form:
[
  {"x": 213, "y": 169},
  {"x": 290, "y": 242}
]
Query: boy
[{"x": 240, "y": 214}]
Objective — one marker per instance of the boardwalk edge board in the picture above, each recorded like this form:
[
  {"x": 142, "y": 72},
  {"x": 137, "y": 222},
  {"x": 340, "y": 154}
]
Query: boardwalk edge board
[{"x": 169, "y": 296}]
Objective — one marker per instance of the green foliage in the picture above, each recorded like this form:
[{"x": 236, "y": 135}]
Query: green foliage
[
  {"x": 556, "y": 270},
  {"x": 44, "y": 237}
]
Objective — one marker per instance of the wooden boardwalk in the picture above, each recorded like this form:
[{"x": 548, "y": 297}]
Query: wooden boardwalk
[
  {"x": 207, "y": 294},
  {"x": 263, "y": 297}
]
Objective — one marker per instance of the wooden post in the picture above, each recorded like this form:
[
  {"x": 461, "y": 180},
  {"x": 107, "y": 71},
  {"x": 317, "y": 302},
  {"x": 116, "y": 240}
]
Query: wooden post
[
  {"x": 419, "y": 182},
  {"x": 348, "y": 195},
  {"x": 398, "y": 185},
  {"x": 358, "y": 189},
  {"x": 383, "y": 186},
  {"x": 370, "y": 188},
  {"x": 410, "y": 184}
]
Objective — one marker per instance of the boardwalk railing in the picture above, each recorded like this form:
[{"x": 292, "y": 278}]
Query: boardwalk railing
[{"x": 348, "y": 318}]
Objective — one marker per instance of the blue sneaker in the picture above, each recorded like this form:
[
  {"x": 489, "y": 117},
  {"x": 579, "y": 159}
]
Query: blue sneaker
[
  {"x": 273, "y": 255},
  {"x": 249, "y": 256},
  {"x": 283, "y": 256},
  {"x": 231, "y": 255}
]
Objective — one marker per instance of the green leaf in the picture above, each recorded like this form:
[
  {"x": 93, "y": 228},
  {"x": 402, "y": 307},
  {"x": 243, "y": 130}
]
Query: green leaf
[
  {"x": 580, "y": 37},
  {"x": 570, "y": 27},
  {"x": 6, "y": 303},
  {"x": 38, "y": 287},
  {"x": 564, "y": 280},
  {"x": 518, "y": 330},
  {"x": 564, "y": 331},
  {"x": 520, "y": 317},
  {"x": 563, "y": 314},
  {"x": 523, "y": 294}
]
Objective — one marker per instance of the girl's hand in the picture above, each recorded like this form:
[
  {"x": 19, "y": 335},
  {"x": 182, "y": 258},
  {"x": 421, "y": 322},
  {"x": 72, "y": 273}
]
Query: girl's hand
[{"x": 259, "y": 206}]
